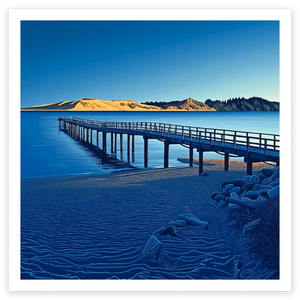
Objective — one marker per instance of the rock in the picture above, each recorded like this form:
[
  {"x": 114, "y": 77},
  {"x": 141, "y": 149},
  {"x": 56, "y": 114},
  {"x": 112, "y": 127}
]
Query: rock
[
  {"x": 227, "y": 199},
  {"x": 274, "y": 177},
  {"x": 252, "y": 194},
  {"x": 274, "y": 183},
  {"x": 247, "y": 177},
  {"x": 274, "y": 192},
  {"x": 261, "y": 176},
  {"x": 214, "y": 194},
  {"x": 219, "y": 197},
  {"x": 236, "y": 182},
  {"x": 221, "y": 203},
  {"x": 249, "y": 185},
  {"x": 193, "y": 220},
  {"x": 250, "y": 203},
  {"x": 204, "y": 174},
  {"x": 178, "y": 223},
  {"x": 235, "y": 189},
  {"x": 228, "y": 187},
  {"x": 249, "y": 227},
  {"x": 233, "y": 206},
  {"x": 233, "y": 196},
  {"x": 237, "y": 269},
  {"x": 152, "y": 248},
  {"x": 222, "y": 195},
  {"x": 276, "y": 174},
  {"x": 261, "y": 199},
  {"x": 264, "y": 192},
  {"x": 261, "y": 186},
  {"x": 245, "y": 201},
  {"x": 255, "y": 179},
  {"x": 268, "y": 172}
]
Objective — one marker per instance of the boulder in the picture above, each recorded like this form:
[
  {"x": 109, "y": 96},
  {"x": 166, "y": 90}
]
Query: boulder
[
  {"x": 235, "y": 189},
  {"x": 204, "y": 174},
  {"x": 233, "y": 196},
  {"x": 214, "y": 194},
  {"x": 178, "y": 223},
  {"x": 261, "y": 176},
  {"x": 236, "y": 182},
  {"x": 268, "y": 172},
  {"x": 264, "y": 192},
  {"x": 247, "y": 177},
  {"x": 245, "y": 201},
  {"x": 261, "y": 186},
  {"x": 276, "y": 182},
  {"x": 152, "y": 248},
  {"x": 228, "y": 187},
  {"x": 255, "y": 179},
  {"x": 261, "y": 199},
  {"x": 221, "y": 203},
  {"x": 249, "y": 185},
  {"x": 274, "y": 192},
  {"x": 252, "y": 194},
  {"x": 233, "y": 206}
]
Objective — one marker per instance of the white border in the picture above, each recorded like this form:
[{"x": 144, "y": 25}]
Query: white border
[{"x": 15, "y": 16}]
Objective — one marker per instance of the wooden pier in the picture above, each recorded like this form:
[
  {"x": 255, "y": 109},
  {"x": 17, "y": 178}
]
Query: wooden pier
[{"x": 254, "y": 147}]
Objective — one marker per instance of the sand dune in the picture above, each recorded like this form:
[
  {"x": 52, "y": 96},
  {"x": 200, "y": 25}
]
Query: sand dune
[{"x": 88, "y": 104}]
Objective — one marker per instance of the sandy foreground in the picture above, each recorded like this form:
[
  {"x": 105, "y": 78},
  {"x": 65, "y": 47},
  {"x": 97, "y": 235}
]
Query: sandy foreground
[{"x": 174, "y": 181}]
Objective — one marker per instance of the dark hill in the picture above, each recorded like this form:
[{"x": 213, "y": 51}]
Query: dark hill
[{"x": 242, "y": 104}]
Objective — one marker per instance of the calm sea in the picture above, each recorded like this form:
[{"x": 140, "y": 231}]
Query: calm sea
[{"x": 46, "y": 152}]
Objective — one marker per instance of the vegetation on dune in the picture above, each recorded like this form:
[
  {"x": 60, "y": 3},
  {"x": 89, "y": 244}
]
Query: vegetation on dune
[{"x": 265, "y": 236}]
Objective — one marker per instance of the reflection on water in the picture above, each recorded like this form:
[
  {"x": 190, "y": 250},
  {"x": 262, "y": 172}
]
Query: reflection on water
[{"x": 100, "y": 157}]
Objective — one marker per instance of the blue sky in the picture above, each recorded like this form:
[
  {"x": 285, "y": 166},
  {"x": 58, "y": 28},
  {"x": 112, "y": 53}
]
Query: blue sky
[{"x": 148, "y": 60}]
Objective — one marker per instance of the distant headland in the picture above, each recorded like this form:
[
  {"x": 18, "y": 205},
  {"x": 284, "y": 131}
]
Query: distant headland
[{"x": 189, "y": 104}]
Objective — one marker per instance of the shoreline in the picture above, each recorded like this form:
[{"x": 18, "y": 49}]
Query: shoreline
[{"x": 209, "y": 165}]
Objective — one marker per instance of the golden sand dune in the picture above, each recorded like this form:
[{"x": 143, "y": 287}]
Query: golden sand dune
[{"x": 88, "y": 104}]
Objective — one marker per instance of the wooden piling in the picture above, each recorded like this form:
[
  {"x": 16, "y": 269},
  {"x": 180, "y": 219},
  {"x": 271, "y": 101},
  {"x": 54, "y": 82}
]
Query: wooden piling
[
  {"x": 200, "y": 161},
  {"x": 121, "y": 143},
  {"x": 166, "y": 154},
  {"x": 104, "y": 141},
  {"x": 191, "y": 156},
  {"x": 146, "y": 152},
  {"x": 128, "y": 147},
  {"x": 249, "y": 166},
  {"x": 226, "y": 162}
]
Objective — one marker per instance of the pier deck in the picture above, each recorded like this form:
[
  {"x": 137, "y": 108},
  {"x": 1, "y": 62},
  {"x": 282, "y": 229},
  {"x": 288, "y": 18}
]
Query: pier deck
[{"x": 254, "y": 147}]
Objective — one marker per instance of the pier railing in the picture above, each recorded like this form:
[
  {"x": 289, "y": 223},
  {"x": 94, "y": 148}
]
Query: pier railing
[{"x": 186, "y": 133}]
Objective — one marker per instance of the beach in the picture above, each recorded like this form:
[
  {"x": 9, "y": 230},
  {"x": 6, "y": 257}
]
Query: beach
[{"x": 97, "y": 226}]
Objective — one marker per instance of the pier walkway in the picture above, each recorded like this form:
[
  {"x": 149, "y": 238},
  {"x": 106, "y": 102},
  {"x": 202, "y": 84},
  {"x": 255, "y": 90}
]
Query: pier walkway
[{"x": 254, "y": 147}]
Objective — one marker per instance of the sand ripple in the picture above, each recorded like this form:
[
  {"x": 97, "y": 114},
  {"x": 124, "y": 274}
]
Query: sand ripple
[{"x": 96, "y": 227}]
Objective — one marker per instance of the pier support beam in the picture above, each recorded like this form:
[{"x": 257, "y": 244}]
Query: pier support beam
[
  {"x": 128, "y": 147},
  {"x": 226, "y": 162},
  {"x": 104, "y": 141},
  {"x": 91, "y": 136},
  {"x": 112, "y": 142},
  {"x": 97, "y": 132},
  {"x": 121, "y": 143},
  {"x": 249, "y": 166},
  {"x": 115, "y": 150},
  {"x": 145, "y": 152},
  {"x": 200, "y": 161},
  {"x": 191, "y": 156},
  {"x": 166, "y": 154},
  {"x": 133, "y": 147}
]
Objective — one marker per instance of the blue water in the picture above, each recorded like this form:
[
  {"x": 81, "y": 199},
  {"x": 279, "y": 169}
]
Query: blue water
[
  {"x": 99, "y": 232},
  {"x": 45, "y": 152}
]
